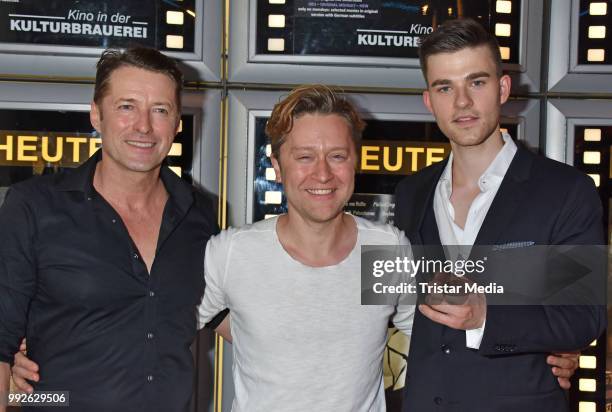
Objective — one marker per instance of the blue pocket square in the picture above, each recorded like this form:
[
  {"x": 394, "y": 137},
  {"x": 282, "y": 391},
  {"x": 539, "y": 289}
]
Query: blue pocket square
[{"x": 513, "y": 245}]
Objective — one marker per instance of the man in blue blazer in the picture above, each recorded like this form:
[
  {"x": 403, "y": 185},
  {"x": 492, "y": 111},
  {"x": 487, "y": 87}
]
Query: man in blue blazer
[{"x": 490, "y": 191}]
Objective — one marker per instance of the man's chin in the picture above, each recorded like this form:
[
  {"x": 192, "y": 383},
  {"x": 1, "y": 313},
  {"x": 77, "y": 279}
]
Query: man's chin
[{"x": 467, "y": 140}]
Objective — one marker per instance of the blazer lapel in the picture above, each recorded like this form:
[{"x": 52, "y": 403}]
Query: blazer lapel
[
  {"x": 508, "y": 199},
  {"x": 423, "y": 203}
]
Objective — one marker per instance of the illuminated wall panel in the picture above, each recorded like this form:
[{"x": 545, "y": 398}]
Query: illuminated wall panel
[
  {"x": 367, "y": 43},
  {"x": 594, "y": 24},
  {"x": 65, "y": 38},
  {"x": 583, "y": 64},
  {"x": 579, "y": 132}
]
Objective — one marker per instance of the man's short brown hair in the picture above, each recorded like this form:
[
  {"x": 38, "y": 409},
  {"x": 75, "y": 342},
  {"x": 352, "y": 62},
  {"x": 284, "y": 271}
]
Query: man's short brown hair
[
  {"x": 310, "y": 99},
  {"x": 455, "y": 35},
  {"x": 139, "y": 57}
]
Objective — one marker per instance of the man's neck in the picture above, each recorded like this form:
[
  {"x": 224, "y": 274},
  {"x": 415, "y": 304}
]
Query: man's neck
[
  {"x": 133, "y": 190},
  {"x": 470, "y": 162},
  {"x": 317, "y": 243}
]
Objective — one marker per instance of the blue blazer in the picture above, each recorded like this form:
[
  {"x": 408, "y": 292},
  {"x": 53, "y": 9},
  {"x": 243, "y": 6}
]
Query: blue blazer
[{"x": 540, "y": 201}]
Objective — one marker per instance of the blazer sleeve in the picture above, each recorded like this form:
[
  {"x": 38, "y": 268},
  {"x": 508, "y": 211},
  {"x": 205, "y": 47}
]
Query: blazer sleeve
[{"x": 520, "y": 329}]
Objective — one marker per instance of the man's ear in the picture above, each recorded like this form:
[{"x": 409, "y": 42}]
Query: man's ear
[
  {"x": 95, "y": 116},
  {"x": 505, "y": 83},
  {"x": 178, "y": 126},
  {"x": 277, "y": 169},
  {"x": 427, "y": 101}
]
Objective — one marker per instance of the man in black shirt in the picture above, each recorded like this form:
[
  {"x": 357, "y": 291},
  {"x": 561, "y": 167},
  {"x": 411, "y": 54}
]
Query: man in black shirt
[{"x": 101, "y": 267}]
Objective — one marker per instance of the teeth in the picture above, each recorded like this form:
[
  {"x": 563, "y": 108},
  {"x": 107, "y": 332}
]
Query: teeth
[
  {"x": 320, "y": 191},
  {"x": 145, "y": 145}
]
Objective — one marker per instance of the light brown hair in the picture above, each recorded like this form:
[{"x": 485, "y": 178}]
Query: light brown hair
[{"x": 310, "y": 99}]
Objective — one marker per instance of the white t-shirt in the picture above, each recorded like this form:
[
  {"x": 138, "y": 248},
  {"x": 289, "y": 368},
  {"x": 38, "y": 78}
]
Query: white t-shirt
[{"x": 301, "y": 339}]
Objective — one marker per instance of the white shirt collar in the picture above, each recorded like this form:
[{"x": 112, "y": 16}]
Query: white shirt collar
[{"x": 493, "y": 176}]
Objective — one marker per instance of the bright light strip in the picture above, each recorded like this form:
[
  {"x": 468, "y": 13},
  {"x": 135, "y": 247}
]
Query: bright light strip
[
  {"x": 587, "y": 385},
  {"x": 174, "y": 42},
  {"x": 587, "y": 407},
  {"x": 268, "y": 150},
  {"x": 180, "y": 128},
  {"x": 505, "y": 53},
  {"x": 587, "y": 362},
  {"x": 504, "y": 7},
  {"x": 598, "y": 9},
  {"x": 176, "y": 149},
  {"x": 592, "y": 135},
  {"x": 502, "y": 29},
  {"x": 276, "y": 20},
  {"x": 596, "y": 55},
  {"x": 269, "y": 216},
  {"x": 272, "y": 197},
  {"x": 594, "y": 343},
  {"x": 191, "y": 13},
  {"x": 175, "y": 17},
  {"x": 591, "y": 158},
  {"x": 596, "y": 178},
  {"x": 277, "y": 1},
  {"x": 276, "y": 44},
  {"x": 597, "y": 32},
  {"x": 177, "y": 170},
  {"x": 270, "y": 174}
]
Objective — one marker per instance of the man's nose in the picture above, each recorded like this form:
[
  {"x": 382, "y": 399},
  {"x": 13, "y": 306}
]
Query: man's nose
[
  {"x": 143, "y": 122},
  {"x": 463, "y": 98},
  {"x": 323, "y": 170}
]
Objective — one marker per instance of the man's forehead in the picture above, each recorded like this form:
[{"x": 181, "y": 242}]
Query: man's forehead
[
  {"x": 467, "y": 60},
  {"x": 120, "y": 82},
  {"x": 315, "y": 146}
]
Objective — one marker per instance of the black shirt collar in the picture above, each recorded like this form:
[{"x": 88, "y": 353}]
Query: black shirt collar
[{"x": 81, "y": 178}]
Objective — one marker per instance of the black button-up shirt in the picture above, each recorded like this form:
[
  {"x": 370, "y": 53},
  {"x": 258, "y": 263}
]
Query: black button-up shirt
[{"x": 73, "y": 282}]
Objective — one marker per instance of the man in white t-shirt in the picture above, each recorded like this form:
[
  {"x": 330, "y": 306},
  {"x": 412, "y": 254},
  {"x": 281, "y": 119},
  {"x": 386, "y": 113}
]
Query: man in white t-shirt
[{"x": 301, "y": 339}]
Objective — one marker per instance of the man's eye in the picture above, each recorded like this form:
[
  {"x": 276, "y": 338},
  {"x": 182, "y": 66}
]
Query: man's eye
[
  {"x": 444, "y": 89},
  {"x": 339, "y": 156},
  {"x": 126, "y": 107},
  {"x": 161, "y": 110},
  {"x": 478, "y": 82}
]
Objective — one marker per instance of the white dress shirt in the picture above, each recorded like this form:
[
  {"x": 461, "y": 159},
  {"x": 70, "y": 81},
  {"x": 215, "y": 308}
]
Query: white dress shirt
[{"x": 450, "y": 232}]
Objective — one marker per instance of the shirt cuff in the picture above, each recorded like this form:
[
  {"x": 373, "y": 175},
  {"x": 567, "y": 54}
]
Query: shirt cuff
[{"x": 473, "y": 337}]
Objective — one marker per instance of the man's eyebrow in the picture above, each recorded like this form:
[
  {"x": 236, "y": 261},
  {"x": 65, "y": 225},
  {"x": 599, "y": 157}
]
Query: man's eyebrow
[
  {"x": 477, "y": 75},
  {"x": 132, "y": 100},
  {"x": 440, "y": 82},
  {"x": 471, "y": 76}
]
